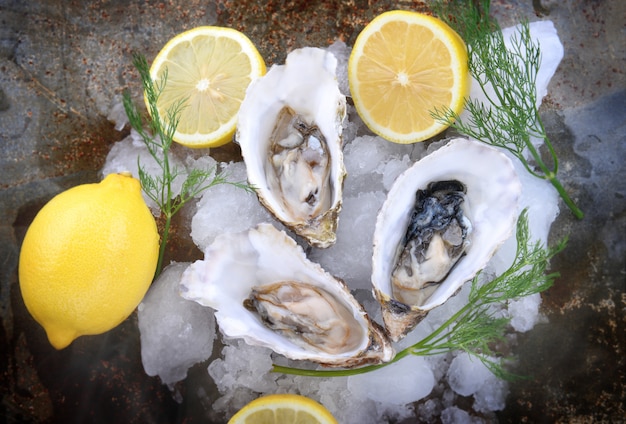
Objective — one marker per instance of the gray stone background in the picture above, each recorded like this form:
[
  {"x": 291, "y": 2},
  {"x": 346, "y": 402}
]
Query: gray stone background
[{"x": 64, "y": 63}]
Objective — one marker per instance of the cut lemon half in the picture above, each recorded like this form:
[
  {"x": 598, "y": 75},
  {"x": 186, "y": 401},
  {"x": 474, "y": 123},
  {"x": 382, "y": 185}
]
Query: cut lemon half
[
  {"x": 206, "y": 70},
  {"x": 283, "y": 409},
  {"x": 404, "y": 66}
]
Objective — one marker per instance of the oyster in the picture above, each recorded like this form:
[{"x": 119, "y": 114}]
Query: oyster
[
  {"x": 442, "y": 221},
  {"x": 289, "y": 129},
  {"x": 267, "y": 292}
]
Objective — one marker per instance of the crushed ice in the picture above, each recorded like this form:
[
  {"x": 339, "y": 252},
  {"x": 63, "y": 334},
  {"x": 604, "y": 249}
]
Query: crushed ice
[
  {"x": 176, "y": 333},
  {"x": 184, "y": 330}
]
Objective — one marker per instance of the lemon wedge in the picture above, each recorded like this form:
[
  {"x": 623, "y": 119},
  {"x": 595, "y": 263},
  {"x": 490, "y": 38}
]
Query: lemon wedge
[
  {"x": 403, "y": 66},
  {"x": 208, "y": 70},
  {"x": 283, "y": 409}
]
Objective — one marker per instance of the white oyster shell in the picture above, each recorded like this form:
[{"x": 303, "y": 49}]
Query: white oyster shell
[
  {"x": 261, "y": 256},
  {"x": 307, "y": 85},
  {"x": 491, "y": 205}
]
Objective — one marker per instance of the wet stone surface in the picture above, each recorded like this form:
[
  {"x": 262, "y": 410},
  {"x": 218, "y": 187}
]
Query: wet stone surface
[{"x": 63, "y": 64}]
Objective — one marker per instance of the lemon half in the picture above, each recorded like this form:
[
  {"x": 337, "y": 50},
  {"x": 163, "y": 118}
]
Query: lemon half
[
  {"x": 207, "y": 70},
  {"x": 403, "y": 66},
  {"x": 283, "y": 409}
]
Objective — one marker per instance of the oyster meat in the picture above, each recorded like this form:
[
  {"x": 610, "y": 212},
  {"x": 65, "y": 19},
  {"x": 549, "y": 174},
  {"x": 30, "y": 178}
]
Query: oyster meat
[
  {"x": 289, "y": 129},
  {"x": 307, "y": 315},
  {"x": 436, "y": 238},
  {"x": 267, "y": 292},
  {"x": 442, "y": 221}
]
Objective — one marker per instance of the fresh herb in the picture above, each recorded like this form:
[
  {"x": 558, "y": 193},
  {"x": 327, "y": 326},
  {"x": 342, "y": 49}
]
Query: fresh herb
[
  {"x": 507, "y": 78},
  {"x": 158, "y": 139},
  {"x": 475, "y": 328}
]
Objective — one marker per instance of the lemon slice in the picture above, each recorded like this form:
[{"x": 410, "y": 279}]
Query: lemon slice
[
  {"x": 208, "y": 69},
  {"x": 283, "y": 409},
  {"x": 403, "y": 66}
]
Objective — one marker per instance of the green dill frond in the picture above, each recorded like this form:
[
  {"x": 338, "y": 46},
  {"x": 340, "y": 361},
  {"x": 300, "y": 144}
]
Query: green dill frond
[
  {"x": 158, "y": 141},
  {"x": 508, "y": 117}
]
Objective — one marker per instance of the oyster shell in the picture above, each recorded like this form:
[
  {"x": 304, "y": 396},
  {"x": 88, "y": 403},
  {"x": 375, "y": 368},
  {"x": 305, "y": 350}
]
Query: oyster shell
[
  {"x": 289, "y": 129},
  {"x": 267, "y": 292},
  {"x": 442, "y": 221}
]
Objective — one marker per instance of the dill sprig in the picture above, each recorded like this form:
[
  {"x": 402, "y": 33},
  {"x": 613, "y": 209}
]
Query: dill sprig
[
  {"x": 507, "y": 78},
  {"x": 158, "y": 138},
  {"x": 477, "y": 326}
]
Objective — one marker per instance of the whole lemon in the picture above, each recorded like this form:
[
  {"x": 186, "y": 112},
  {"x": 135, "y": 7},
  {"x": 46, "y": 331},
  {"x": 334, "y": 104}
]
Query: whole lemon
[{"x": 88, "y": 258}]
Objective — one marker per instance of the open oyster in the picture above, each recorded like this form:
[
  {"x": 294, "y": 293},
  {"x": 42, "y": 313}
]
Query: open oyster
[
  {"x": 442, "y": 221},
  {"x": 267, "y": 292},
  {"x": 289, "y": 129}
]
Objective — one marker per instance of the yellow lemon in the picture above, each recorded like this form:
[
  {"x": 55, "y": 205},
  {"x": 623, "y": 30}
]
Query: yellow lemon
[
  {"x": 88, "y": 258},
  {"x": 403, "y": 66},
  {"x": 283, "y": 409},
  {"x": 208, "y": 70}
]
